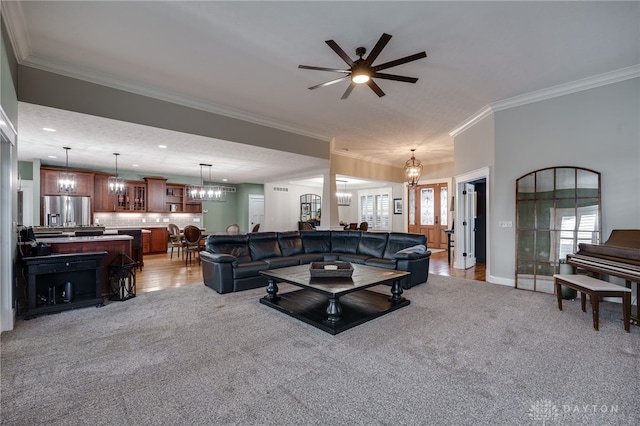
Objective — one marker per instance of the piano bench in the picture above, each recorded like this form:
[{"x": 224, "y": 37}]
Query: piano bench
[{"x": 596, "y": 289}]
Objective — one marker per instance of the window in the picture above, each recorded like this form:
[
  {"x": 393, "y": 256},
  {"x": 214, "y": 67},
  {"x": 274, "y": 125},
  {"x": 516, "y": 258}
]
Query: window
[{"x": 375, "y": 208}]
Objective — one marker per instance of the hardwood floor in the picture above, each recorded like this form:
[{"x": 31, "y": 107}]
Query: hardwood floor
[
  {"x": 160, "y": 271},
  {"x": 438, "y": 265}
]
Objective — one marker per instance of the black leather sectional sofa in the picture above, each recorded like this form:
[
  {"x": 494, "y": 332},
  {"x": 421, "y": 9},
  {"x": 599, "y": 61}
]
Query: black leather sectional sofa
[{"x": 233, "y": 262}]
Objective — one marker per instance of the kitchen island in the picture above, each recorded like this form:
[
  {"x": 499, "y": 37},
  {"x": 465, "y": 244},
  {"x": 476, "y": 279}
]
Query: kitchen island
[{"x": 114, "y": 245}]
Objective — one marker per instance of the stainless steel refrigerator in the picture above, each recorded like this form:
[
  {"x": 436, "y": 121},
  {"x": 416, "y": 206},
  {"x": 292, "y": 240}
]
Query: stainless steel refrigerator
[{"x": 66, "y": 210}]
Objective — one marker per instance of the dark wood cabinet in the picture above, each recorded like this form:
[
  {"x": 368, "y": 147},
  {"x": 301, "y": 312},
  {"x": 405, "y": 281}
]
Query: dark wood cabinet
[
  {"x": 158, "y": 240},
  {"x": 156, "y": 194},
  {"x": 102, "y": 200},
  {"x": 146, "y": 243},
  {"x": 62, "y": 281},
  {"x": 49, "y": 182},
  {"x": 134, "y": 199}
]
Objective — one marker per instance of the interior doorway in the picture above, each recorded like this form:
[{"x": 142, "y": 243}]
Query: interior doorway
[
  {"x": 477, "y": 242},
  {"x": 256, "y": 211}
]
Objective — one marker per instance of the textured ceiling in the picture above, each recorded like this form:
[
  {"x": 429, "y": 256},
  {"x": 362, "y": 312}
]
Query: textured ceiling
[{"x": 241, "y": 58}]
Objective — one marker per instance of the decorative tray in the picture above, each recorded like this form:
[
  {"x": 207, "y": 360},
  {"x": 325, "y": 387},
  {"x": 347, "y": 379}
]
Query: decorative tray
[{"x": 330, "y": 269}]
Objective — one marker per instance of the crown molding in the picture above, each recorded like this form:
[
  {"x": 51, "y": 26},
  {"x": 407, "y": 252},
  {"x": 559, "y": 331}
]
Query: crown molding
[
  {"x": 58, "y": 67},
  {"x": 17, "y": 29},
  {"x": 549, "y": 93}
]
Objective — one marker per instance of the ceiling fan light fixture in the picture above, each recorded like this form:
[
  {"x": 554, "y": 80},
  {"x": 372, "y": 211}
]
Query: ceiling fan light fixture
[{"x": 360, "y": 76}]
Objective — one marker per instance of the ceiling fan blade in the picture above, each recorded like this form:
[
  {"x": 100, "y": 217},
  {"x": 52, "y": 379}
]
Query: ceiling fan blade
[
  {"x": 332, "y": 44},
  {"x": 395, "y": 77},
  {"x": 348, "y": 91},
  {"x": 309, "y": 67},
  {"x": 382, "y": 42},
  {"x": 328, "y": 83},
  {"x": 375, "y": 88},
  {"x": 400, "y": 61}
]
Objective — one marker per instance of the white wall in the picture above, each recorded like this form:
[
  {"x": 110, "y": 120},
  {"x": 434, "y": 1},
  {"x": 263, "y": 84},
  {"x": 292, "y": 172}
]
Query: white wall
[
  {"x": 282, "y": 208},
  {"x": 596, "y": 128}
]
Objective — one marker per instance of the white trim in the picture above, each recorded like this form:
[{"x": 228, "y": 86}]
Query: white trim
[
  {"x": 509, "y": 282},
  {"x": 485, "y": 172},
  {"x": 6, "y": 128},
  {"x": 17, "y": 29},
  {"x": 478, "y": 116},
  {"x": 549, "y": 93}
]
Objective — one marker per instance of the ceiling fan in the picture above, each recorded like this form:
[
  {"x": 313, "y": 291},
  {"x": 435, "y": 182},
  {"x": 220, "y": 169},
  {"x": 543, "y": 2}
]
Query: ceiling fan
[{"x": 362, "y": 70}]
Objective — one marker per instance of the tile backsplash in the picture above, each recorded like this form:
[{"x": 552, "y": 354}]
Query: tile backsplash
[{"x": 114, "y": 220}]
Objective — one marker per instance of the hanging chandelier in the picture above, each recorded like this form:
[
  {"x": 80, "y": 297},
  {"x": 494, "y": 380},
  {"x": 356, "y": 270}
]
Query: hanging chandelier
[
  {"x": 115, "y": 184},
  {"x": 66, "y": 180},
  {"x": 204, "y": 192},
  {"x": 413, "y": 170},
  {"x": 214, "y": 192},
  {"x": 344, "y": 198},
  {"x": 197, "y": 192}
]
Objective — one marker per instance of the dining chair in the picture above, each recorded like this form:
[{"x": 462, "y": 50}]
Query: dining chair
[
  {"x": 364, "y": 226},
  {"x": 306, "y": 226},
  {"x": 256, "y": 227},
  {"x": 353, "y": 226},
  {"x": 192, "y": 237},
  {"x": 233, "y": 229},
  {"x": 176, "y": 238}
]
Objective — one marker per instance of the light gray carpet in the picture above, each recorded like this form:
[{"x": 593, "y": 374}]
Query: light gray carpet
[{"x": 464, "y": 353}]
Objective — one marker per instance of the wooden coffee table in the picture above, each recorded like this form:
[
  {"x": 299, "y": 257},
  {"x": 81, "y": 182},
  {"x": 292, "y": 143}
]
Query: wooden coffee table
[{"x": 335, "y": 304}]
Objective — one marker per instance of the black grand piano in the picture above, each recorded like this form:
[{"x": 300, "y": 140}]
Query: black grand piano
[{"x": 619, "y": 257}]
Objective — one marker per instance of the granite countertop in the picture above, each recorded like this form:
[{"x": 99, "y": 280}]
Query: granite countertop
[{"x": 70, "y": 239}]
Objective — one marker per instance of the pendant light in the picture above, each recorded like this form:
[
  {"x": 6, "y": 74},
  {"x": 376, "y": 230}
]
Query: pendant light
[
  {"x": 214, "y": 192},
  {"x": 115, "y": 184},
  {"x": 344, "y": 198},
  {"x": 413, "y": 170},
  {"x": 197, "y": 192},
  {"x": 66, "y": 180}
]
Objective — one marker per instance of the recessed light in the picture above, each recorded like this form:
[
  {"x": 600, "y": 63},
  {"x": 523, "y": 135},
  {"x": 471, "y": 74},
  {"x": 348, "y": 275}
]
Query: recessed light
[
  {"x": 225, "y": 180},
  {"x": 48, "y": 129},
  {"x": 162, "y": 146},
  {"x": 135, "y": 165},
  {"x": 52, "y": 156}
]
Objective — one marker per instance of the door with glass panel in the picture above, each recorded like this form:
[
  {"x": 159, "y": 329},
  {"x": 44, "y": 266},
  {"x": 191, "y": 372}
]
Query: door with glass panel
[{"x": 429, "y": 213}]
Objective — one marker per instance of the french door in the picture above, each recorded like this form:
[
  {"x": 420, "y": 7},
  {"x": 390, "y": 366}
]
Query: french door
[{"x": 429, "y": 213}]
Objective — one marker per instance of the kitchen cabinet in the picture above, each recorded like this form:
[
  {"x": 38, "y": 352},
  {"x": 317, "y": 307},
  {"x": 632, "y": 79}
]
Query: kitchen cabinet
[
  {"x": 134, "y": 199},
  {"x": 102, "y": 200},
  {"x": 146, "y": 243},
  {"x": 159, "y": 240},
  {"x": 174, "y": 198},
  {"x": 156, "y": 194},
  {"x": 49, "y": 182}
]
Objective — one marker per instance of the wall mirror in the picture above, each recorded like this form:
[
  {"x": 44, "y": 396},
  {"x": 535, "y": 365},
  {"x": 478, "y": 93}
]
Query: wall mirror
[
  {"x": 556, "y": 209},
  {"x": 310, "y": 207}
]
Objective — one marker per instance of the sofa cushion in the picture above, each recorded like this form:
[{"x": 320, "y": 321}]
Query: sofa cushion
[
  {"x": 345, "y": 241},
  {"x": 282, "y": 262},
  {"x": 316, "y": 241},
  {"x": 263, "y": 245},
  {"x": 381, "y": 263},
  {"x": 398, "y": 241},
  {"x": 290, "y": 243},
  {"x": 249, "y": 269},
  {"x": 353, "y": 258},
  {"x": 373, "y": 243},
  {"x": 234, "y": 245},
  {"x": 310, "y": 257}
]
